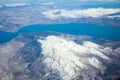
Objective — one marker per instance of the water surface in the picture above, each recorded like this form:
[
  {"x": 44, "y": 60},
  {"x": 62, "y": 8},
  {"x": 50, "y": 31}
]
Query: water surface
[{"x": 96, "y": 31}]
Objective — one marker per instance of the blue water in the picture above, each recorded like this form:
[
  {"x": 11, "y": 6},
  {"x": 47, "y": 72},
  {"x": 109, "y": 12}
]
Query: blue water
[
  {"x": 7, "y": 36},
  {"x": 96, "y": 31},
  {"x": 89, "y": 4}
]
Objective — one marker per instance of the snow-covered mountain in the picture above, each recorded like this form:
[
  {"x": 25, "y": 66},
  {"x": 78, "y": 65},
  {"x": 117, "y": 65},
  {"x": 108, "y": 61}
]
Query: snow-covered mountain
[
  {"x": 58, "y": 56},
  {"x": 70, "y": 60}
]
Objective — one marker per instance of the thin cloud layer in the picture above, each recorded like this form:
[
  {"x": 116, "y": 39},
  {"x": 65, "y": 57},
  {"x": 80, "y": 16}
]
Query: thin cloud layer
[
  {"x": 15, "y": 5},
  {"x": 82, "y": 13}
]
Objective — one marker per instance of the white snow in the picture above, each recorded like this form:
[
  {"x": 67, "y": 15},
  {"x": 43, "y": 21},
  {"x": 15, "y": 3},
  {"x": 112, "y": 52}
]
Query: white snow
[
  {"x": 93, "y": 61},
  {"x": 94, "y": 49},
  {"x": 67, "y": 57},
  {"x": 117, "y": 50}
]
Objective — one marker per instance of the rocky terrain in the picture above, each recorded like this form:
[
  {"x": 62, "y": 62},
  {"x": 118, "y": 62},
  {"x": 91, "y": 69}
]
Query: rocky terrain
[
  {"x": 34, "y": 56},
  {"x": 14, "y": 16}
]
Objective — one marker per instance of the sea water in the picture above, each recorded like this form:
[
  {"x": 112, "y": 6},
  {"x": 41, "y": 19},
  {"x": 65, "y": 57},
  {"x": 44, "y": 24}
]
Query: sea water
[{"x": 96, "y": 31}]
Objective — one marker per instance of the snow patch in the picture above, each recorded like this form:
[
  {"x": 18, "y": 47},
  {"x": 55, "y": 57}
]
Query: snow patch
[
  {"x": 93, "y": 61},
  {"x": 117, "y": 50}
]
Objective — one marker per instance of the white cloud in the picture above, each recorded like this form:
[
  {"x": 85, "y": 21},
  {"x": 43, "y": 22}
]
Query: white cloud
[
  {"x": 82, "y": 13},
  {"x": 48, "y": 3},
  {"x": 114, "y": 16},
  {"x": 15, "y": 4},
  {"x": 70, "y": 58}
]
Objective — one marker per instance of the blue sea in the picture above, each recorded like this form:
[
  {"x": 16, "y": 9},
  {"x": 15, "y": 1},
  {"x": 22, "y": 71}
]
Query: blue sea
[{"x": 95, "y": 31}]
